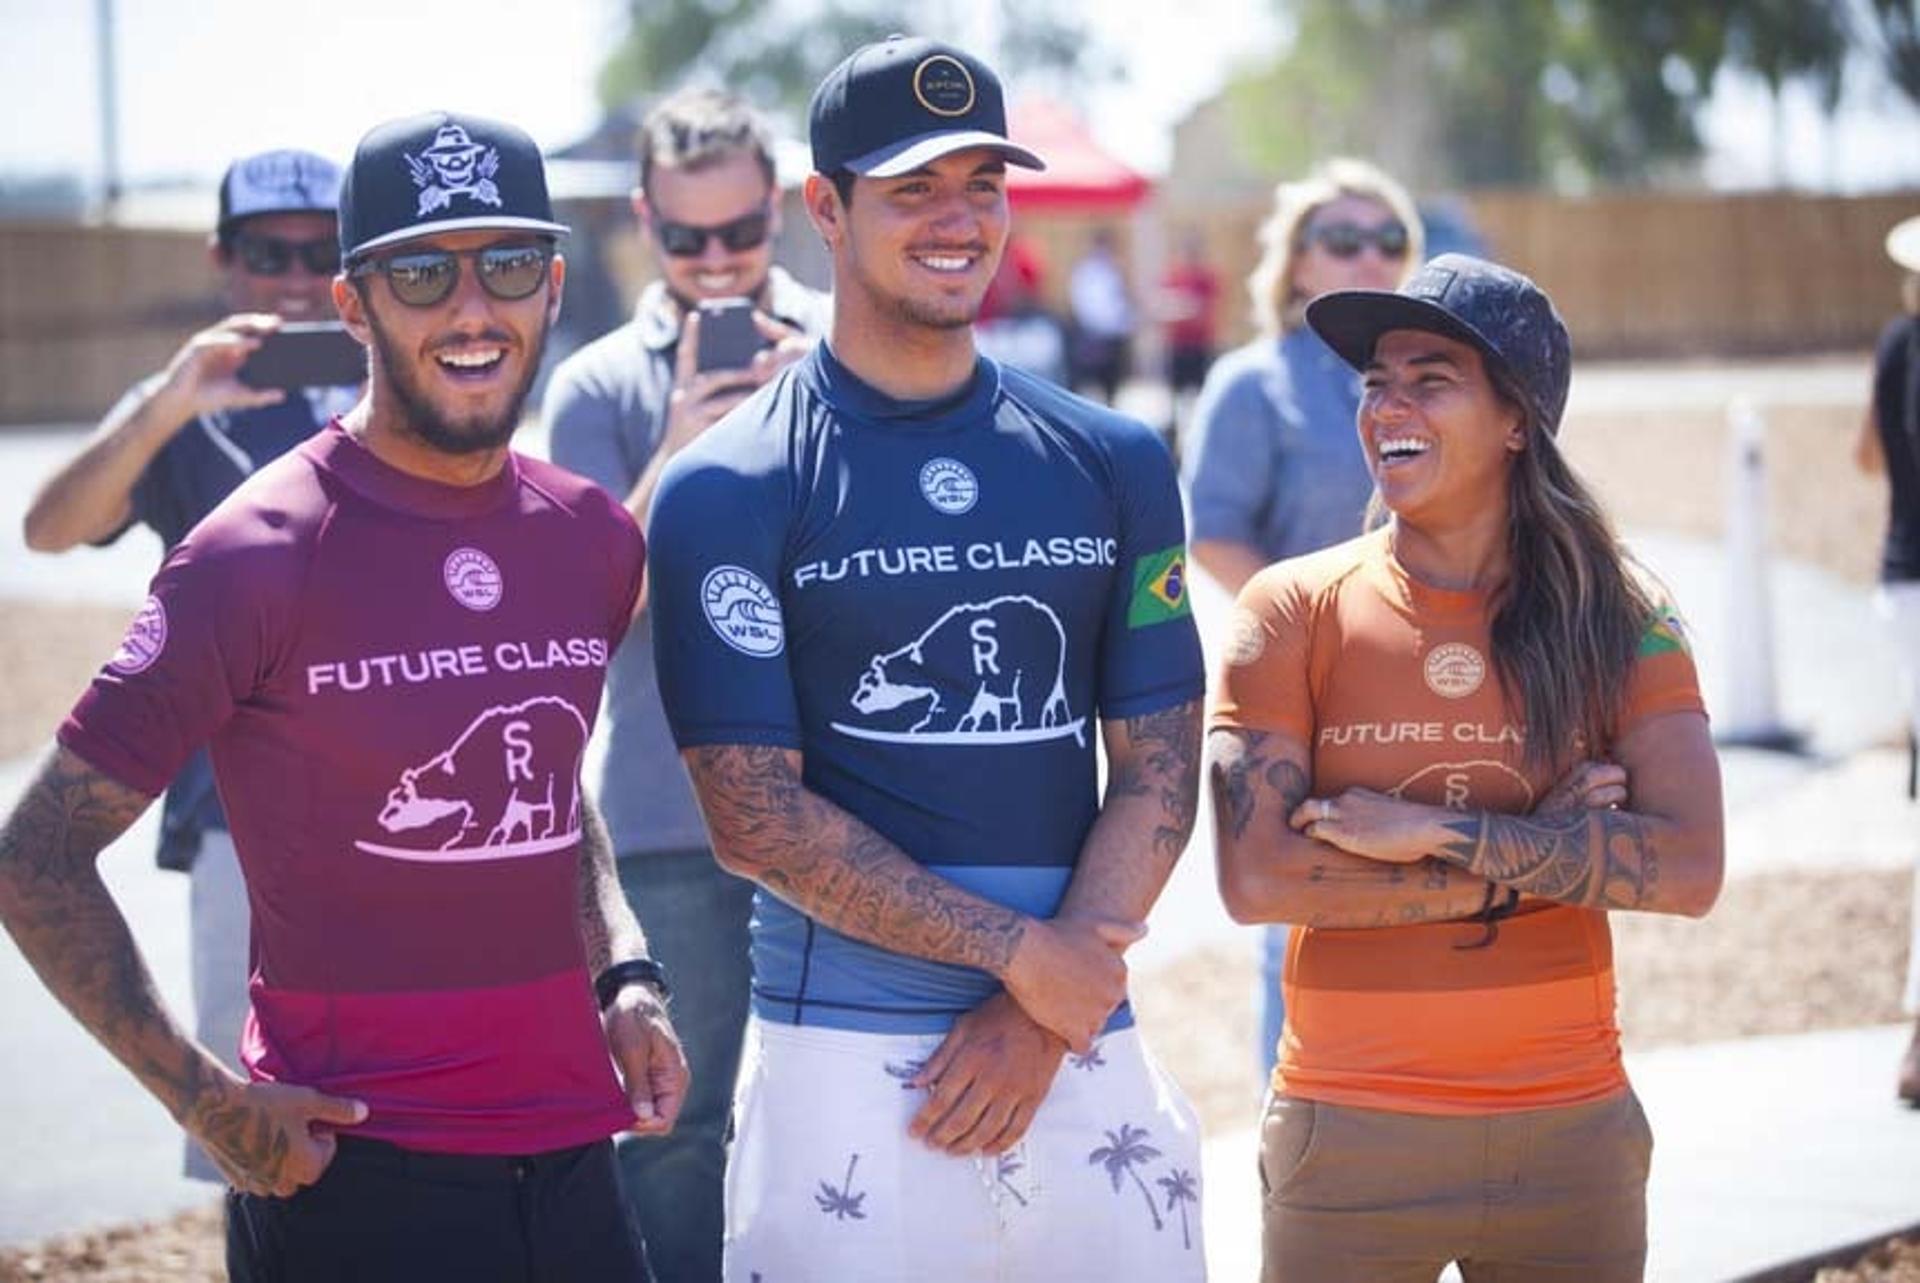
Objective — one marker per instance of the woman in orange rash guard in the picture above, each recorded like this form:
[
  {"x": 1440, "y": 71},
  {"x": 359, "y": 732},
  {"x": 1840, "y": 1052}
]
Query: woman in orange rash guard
[{"x": 1447, "y": 750}]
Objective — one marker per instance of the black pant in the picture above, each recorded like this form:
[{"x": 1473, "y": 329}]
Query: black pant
[{"x": 382, "y": 1214}]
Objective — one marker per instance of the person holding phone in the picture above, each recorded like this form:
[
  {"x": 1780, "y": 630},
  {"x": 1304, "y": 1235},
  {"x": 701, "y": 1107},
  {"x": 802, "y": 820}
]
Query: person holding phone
[
  {"x": 719, "y": 322},
  {"x": 174, "y": 446},
  {"x": 451, "y": 1006}
]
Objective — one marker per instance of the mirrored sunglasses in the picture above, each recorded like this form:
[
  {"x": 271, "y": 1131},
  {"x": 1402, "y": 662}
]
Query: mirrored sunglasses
[
  {"x": 685, "y": 240},
  {"x": 423, "y": 278}
]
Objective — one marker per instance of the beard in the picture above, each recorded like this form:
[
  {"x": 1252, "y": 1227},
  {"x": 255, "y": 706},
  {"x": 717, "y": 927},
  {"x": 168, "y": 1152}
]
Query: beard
[
  {"x": 930, "y": 312},
  {"x": 474, "y": 433}
]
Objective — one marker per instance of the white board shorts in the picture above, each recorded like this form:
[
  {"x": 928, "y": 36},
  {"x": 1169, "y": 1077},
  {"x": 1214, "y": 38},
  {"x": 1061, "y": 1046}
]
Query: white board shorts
[{"x": 824, "y": 1185}]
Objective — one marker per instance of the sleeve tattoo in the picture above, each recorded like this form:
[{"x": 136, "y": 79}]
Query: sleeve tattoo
[
  {"x": 825, "y": 862},
  {"x": 68, "y": 927},
  {"x": 1598, "y": 859},
  {"x": 1163, "y": 759}
]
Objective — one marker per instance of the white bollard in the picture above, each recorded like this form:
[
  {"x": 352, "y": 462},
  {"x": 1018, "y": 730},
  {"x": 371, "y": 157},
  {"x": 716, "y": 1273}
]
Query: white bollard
[{"x": 1749, "y": 713}]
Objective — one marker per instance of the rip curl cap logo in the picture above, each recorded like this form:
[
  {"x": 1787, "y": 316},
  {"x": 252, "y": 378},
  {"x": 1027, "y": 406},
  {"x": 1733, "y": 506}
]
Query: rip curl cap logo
[
  {"x": 949, "y": 486},
  {"x": 473, "y": 579},
  {"x": 146, "y": 638},
  {"x": 743, "y": 611},
  {"x": 944, "y": 86},
  {"x": 1454, "y": 670},
  {"x": 454, "y": 166}
]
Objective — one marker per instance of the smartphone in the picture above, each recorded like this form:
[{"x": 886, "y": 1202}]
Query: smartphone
[
  {"x": 306, "y": 354},
  {"x": 728, "y": 336}
]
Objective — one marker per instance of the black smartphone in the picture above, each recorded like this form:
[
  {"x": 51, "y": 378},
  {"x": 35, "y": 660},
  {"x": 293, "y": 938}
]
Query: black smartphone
[
  {"x": 306, "y": 354},
  {"x": 728, "y": 336}
]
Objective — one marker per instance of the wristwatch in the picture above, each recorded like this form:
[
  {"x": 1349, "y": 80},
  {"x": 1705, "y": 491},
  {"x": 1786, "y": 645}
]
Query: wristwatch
[{"x": 608, "y": 984}]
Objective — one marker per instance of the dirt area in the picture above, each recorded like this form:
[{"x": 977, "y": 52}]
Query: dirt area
[
  {"x": 48, "y": 654},
  {"x": 1895, "y": 1261}
]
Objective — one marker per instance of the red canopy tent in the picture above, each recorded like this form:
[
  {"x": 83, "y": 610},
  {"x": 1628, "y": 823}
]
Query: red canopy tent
[{"x": 1080, "y": 177}]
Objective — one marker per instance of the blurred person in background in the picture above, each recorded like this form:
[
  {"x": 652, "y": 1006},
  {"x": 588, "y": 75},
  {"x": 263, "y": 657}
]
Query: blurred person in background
[
  {"x": 1889, "y": 446},
  {"x": 174, "y": 446},
  {"x": 1103, "y": 319},
  {"x": 1446, "y": 750},
  {"x": 1189, "y": 296},
  {"x": 1015, "y": 328},
  {"x": 1274, "y": 469},
  {"x": 618, "y": 410}
]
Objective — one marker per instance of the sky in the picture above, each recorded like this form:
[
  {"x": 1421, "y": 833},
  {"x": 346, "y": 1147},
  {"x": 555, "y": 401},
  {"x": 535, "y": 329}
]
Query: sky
[{"x": 204, "y": 80}]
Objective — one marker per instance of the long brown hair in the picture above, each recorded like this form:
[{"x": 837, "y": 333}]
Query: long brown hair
[{"x": 1568, "y": 622}]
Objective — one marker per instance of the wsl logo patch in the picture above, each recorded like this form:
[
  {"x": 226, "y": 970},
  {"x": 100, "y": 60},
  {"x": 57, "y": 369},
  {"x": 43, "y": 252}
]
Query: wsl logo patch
[
  {"x": 1159, "y": 588},
  {"x": 743, "y": 610},
  {"x": 454, "y": 166},
  {"x": 146, "y": 638},
  {"x": 508, "y": 787},
  {"x": 1454, "y": 670},
  {"x": 472, "y": 579},
  {"x": 989, "y": 672},
  {"x": 949, "y": 486}
]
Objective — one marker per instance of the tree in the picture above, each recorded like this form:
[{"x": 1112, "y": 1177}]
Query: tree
[
  {"x": 1891, "y": 28},
  {"x": 775, "y": 51},
  {"x": 1560, "y": 92}
]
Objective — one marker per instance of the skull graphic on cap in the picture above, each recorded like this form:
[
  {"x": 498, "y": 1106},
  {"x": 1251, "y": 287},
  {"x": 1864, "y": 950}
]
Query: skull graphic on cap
[{"x": 454, "y": 166}]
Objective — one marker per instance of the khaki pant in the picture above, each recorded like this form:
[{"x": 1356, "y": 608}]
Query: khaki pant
[{"x": 1544, "y": 1196}]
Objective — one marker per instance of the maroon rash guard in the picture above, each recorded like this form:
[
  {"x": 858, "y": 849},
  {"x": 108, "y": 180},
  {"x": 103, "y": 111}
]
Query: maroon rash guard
[{"x": 396, "y": 679}]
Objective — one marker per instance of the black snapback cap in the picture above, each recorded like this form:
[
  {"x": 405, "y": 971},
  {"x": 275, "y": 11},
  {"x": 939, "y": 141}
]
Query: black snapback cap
[
  {"x": 1496, "y": 309},
  {"x": 895, "y": 105},
  {"x": 287, "y": 181},
  {"x": 439, "y": 172}
]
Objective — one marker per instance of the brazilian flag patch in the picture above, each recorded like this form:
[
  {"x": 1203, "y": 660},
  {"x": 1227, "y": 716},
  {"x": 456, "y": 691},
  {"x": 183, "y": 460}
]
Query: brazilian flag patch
[
  {"x": 1665, "y": 634},
  {"x": 1159, "y": 588}
]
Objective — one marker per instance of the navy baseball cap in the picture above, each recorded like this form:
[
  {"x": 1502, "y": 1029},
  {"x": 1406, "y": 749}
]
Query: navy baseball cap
[
  {"x": 439, "y": 172},
  {"x": 277, "y": 182},
  {"x": 899, "y": 103},
  {"x": 1494, "y": 308}
]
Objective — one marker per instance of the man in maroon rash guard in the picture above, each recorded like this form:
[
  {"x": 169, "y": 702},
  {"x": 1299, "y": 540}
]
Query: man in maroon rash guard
[{"x": 393, "y": 641}]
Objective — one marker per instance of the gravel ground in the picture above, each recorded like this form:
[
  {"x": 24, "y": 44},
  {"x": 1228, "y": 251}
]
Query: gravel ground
[{"x": 1895, "y": 1261}]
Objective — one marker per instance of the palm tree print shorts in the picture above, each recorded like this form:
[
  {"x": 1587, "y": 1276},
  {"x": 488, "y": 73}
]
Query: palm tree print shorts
[{"x": 824, "y": 1185}]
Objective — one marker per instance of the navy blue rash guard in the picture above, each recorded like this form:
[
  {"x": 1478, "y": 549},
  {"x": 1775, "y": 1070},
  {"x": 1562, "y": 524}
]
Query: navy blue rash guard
[{"x": 936, "y": 604}]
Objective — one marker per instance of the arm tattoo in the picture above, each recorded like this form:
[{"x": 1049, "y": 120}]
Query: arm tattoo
[
  {"x": 68, "y": 927},
  {"x": 1599, "y": 859},
  {"x": 1163, "y": 756},
  {"x": 1239, "y": 772},
  {"x": 607, "y": 925},
  {"x": 835, "y": 869}
]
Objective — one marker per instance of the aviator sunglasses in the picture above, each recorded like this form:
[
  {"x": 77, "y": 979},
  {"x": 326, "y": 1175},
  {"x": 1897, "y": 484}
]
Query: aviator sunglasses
[
  {"x": 1346, "y": 240},
  {"x": 272, "y": 256},
  {"x": 686, "y": 240},
  {"x": 425, "y": 277}
]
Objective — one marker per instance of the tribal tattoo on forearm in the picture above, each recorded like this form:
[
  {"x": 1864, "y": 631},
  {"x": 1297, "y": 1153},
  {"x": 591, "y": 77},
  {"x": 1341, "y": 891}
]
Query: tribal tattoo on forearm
[
  {"x": 1164, "y": 758},
  {"x": 1599, "y": 859},
  {"x": 825, "y": 862}
]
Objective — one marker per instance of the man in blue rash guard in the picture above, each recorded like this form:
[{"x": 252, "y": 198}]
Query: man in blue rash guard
[{"x": 898, "y": 594}]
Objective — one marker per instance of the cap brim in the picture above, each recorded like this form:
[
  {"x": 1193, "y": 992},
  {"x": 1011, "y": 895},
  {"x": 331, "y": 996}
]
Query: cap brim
[
  {"x": 478, "y": 223},
  {"x": 1903, "y": 244},
  {"x": 330, "y": 211},
  {"x": 903, "y": 157},
  {"x": 1352, "y": 321}
]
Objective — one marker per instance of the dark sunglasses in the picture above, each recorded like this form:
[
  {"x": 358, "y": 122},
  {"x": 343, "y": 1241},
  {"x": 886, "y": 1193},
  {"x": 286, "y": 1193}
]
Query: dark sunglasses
[
  {"x": 1346, "y": 240},
  {"x": 271, "y": 256},
  {"x": 425, "y": 277},
  {"x": 684, "y": 240}
]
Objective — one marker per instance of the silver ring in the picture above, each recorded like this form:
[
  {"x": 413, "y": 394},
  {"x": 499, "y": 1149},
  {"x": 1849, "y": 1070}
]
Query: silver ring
[{"x": 1326, "y": 808}]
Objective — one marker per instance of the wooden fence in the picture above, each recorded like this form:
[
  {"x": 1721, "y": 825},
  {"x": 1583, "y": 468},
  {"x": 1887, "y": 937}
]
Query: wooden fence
[{"x": 84, "y": 311}]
